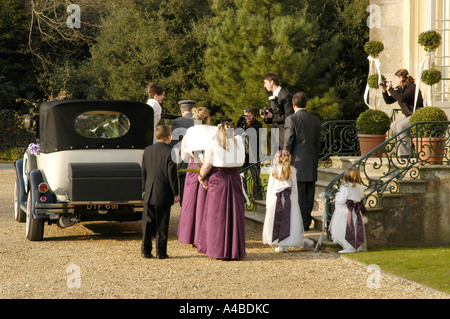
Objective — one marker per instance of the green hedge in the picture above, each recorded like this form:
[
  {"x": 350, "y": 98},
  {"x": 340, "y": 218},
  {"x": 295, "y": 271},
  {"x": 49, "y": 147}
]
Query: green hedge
[{"x": 14, "y": 139}]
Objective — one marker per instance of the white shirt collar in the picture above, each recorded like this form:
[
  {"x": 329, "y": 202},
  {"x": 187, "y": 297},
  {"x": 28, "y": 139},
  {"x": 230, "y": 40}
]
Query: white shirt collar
[{"x": 277, "y": 91}]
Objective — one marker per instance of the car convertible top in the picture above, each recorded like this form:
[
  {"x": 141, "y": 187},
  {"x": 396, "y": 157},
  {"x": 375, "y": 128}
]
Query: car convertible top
[{"x": 56, "y": 117}]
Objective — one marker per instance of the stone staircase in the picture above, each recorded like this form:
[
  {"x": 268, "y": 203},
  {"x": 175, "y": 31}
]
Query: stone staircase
[{"x": 388, "y": 202}]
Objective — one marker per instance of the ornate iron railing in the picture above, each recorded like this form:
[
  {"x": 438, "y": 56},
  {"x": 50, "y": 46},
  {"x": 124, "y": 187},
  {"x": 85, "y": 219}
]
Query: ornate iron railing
[
  {"x": 254, "y": 181},
  {"x": 339, "y": 138},
  {"x": 383, "y": 167}
]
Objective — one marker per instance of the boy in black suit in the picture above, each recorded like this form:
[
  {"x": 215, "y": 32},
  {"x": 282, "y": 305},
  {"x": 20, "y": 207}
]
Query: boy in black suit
[{"x": 160, "y": 186}]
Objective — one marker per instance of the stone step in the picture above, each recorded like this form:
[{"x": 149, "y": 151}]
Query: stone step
[
  {"x": 326, "y": 175},
  {"x": 416, "y": 186},
  {"x": 313, "y": 233}
]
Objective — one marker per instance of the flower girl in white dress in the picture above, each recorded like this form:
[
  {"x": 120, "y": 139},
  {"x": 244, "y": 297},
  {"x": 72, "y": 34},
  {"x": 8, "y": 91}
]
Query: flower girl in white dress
[
  {"x": 283, "y": 226},
  {"x": 348, "y": 229}
]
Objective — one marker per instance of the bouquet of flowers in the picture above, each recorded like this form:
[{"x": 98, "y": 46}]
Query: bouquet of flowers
[
  {"x": 195, "y": 170},
  {"x": 34, "y": 149}
]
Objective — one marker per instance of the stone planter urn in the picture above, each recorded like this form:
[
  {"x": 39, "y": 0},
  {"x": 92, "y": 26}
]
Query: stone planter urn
[
  {"x": 368, "y": 142},
  {"x": 372, "y": 126},
  {"x": 430, "y": 150}
]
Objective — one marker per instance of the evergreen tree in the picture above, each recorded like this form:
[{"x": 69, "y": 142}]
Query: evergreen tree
[
  {"x": 252, "y": 38},
  {"x": 348, "y": 75},
  {"x": 16, "y": 76},
  {"x": 156, "y": 41}
]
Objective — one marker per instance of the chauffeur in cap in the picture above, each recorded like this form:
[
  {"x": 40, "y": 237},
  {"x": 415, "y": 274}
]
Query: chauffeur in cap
[{"x": 179, "y": 127}]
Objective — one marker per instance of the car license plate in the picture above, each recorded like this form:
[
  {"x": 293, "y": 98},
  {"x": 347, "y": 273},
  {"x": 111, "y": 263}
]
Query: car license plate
[{"x": 106, "y": 206}]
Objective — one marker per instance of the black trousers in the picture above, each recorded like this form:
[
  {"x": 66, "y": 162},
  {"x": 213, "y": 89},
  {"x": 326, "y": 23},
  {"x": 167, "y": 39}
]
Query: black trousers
[
  {"x": 306, "y": 192},
  {"x": 155, "y": 223}
]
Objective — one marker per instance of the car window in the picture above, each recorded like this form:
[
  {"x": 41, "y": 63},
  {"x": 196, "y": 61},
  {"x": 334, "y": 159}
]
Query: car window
[{"x": 102, "y": 124}]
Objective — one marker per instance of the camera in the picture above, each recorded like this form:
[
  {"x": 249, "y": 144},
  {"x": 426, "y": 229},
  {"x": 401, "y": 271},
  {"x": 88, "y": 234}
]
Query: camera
[
  {"x": 266, "y": 111},
  {"x": 241, "y": 121},
  {"x": 384, "y": 83}
]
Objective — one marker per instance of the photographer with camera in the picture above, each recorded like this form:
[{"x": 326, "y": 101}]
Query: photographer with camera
[
  {"x": 280, "y": 105},
  {"x": 248, "y": 121},
  {"x": 404, "y": 94}
]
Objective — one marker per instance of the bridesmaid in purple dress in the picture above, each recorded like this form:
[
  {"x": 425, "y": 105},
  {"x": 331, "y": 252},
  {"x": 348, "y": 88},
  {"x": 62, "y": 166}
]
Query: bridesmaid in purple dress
[
  {"x": 194, "y": 143},
  {"x": 222, "y": 234}
]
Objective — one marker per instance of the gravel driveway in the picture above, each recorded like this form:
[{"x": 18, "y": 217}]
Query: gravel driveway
[{"x": 102, "y": 260}]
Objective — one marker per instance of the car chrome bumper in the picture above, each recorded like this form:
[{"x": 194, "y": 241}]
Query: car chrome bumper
[{"x": 69, "y": 208}]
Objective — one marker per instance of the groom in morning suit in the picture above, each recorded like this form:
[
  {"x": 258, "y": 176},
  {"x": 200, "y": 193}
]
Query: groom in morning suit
[
  {"x": 160, "y": 186},
  {"x": 302, "y": 136}
]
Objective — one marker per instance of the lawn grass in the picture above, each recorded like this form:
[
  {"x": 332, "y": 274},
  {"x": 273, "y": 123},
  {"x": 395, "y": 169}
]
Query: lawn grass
[{"x": 429, "y": 266}]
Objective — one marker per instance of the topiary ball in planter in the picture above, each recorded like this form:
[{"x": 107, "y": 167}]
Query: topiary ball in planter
[
  {"x": 373, "y": 122},
  {"x": 372, "y": 80},
  {"x": 430, "y": 40},
  {"x": 373, "y": 48},
  {"x": 431, "y": 76},
  {"x": 428, "y": 114}
]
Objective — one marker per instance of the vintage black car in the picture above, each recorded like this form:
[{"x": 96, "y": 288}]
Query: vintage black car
[{"x": 84, "y": 166}]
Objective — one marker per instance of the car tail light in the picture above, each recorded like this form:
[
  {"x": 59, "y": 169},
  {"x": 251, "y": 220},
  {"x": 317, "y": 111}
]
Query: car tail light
[
  {"x": 43, "y": 187},
  {"x": 43, "y": 198}
]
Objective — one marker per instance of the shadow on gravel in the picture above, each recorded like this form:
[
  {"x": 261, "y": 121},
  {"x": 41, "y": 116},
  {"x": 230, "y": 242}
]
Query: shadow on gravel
[{"x": 97, "y": 231}]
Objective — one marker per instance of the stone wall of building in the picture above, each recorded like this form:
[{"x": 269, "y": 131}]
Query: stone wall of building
[{"x": 418, "y": 216}]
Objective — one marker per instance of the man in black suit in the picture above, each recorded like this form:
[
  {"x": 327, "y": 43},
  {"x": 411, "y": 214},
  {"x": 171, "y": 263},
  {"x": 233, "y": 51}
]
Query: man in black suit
[
  {"x": 179, "y": 127},
  {"x": 185, "y": 121},
  {"x": 280, "y": 104},
  {"x": 302, "y": 137},
  {"x": 160, "y": 186}
]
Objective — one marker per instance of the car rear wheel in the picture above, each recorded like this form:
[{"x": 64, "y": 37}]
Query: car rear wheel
[
  {"x": 19, "y": 214},
  {"x": 35, "y": 226}
]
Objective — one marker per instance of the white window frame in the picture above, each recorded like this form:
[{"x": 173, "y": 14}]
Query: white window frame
[{"x": 439, "y": 20}]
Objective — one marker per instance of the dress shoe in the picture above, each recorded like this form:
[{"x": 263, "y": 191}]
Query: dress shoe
[
  {"x": 347, "y": 251},
  {"x": 162, "y": 256},
  {"x": 308, "y": 243},
  {"x": 147, "y": 255},
  {"x": 282, "y": 249}
]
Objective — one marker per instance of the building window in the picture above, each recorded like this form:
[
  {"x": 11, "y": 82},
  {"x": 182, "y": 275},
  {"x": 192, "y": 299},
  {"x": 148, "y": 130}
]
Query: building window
[{"x": 442, "y": 55}]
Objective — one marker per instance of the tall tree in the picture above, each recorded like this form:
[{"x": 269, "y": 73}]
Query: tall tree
[
  {"x": 16, "y": 77},
  {"x": 251, "y": 38},
  {"x": 348, "y": 20},
  {"x": 158, "y": 41},
  {"x": 61, "y": 31}
]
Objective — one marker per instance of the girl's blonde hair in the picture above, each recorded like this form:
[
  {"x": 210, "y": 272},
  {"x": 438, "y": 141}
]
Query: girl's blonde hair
[
  {"x": 225, "y": 131},
  {"x": 200, "y": 114},
  {"x": 352, "y": 176},
  {"x": 282, "y": 165}
]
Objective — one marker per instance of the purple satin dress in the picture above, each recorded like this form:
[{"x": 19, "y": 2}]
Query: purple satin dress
[
  {"x": 222, "y": 234},
  {"x": 191, "y": 214}
]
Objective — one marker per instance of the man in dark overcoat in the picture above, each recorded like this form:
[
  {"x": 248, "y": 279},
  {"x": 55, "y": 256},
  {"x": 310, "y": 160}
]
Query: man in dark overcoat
[
  {"x": 179, "y": 127},
  {"x": 302, "y": 135}
]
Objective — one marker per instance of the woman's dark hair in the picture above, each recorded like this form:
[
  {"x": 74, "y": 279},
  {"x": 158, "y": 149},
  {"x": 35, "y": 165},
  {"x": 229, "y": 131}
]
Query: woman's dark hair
[
  {"x": 406, "y": 78},
  {"x": 153, "y": 89}
]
